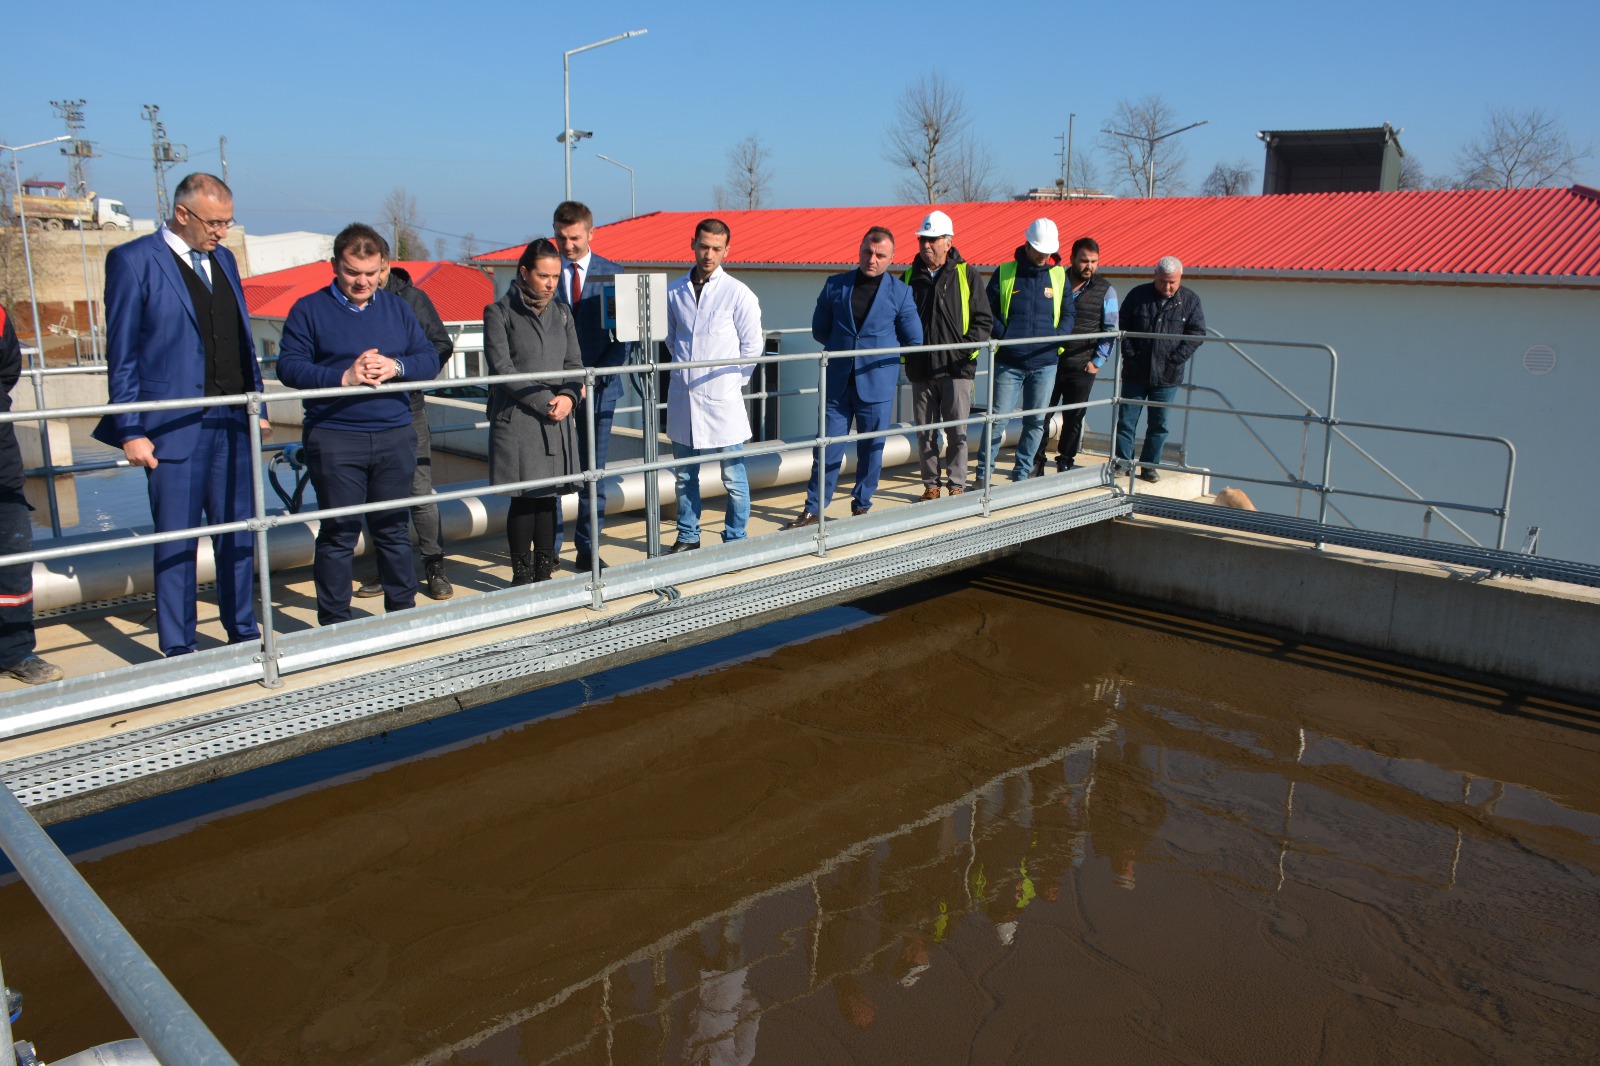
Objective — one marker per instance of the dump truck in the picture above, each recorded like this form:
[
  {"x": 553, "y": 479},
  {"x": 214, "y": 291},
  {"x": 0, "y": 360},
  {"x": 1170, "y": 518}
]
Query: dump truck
[{"x": 46, "y": 205}]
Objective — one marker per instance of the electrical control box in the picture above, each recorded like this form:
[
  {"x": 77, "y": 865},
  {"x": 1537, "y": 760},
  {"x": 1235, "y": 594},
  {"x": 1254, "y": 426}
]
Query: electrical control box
[{"x": 621, "y": 299}]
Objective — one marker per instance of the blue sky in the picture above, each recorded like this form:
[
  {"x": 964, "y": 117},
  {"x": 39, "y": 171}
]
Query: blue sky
[{"x": 326, "y": 108}]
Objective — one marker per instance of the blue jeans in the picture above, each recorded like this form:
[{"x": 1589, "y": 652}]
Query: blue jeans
[
  {"x": 687, "y": 487},
  {"x": 1033, "y": 387},
  {"x": 842, "y": 410},
  {"x": 350, "y": 467},
  {"x": 1155, "y": 431}
]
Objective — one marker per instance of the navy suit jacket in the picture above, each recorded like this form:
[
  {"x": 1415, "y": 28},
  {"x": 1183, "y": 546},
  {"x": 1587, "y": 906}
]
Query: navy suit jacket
[
  {"x": 594, "y": 340},
  {"x": 153, "y": 345},
  {"x": 892, "y": 320}
]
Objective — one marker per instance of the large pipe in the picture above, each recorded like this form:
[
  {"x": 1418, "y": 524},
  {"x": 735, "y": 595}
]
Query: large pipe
[{"x": 119, "y": 572}]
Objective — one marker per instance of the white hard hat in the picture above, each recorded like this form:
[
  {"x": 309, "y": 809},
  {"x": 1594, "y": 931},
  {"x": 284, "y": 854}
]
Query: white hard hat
[
  {"x": 1042, "y": 237},
  {"x": 936, "y": 224}
]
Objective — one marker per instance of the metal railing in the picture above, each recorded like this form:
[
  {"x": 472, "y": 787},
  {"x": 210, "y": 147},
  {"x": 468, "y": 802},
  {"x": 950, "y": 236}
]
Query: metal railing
[
  {"x": 157, "y": 1012},
  {"x": 989, "y": 426}
]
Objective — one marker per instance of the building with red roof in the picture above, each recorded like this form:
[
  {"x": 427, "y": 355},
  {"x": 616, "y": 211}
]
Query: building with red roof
[
  {"x": 1471, "y": 312},
  {"x": 459, "y": 293}
]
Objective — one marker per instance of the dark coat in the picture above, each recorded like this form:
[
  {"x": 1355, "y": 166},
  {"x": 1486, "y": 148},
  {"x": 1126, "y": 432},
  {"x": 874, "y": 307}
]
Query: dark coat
[
  {"x": 10, "y": 373},
  {"x": 524, "y": 442},
  {"x": 1159, "y": 361},
  {"x": 938, "y": 302},
  {"x": 421, "y": 305}
]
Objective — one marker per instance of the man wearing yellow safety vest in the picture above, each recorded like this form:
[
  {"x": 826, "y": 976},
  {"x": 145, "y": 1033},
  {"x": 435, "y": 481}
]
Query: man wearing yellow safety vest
[
  {"x": 951, "y": 303},
  {"x": 1029, "y": 297}
]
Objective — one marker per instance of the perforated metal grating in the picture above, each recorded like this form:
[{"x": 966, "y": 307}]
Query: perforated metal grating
[{"x": 85, "y": 768}]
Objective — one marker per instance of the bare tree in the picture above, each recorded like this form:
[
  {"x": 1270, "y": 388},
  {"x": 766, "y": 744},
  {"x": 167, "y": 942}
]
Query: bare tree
[
  {"x": 1519, "y": 150},
  {"x": 469, "y": 246},
  {"x": 748, "y": 177},
  {"x": 401, "y": 224},
  {"x": 1229, "y": 179},
  {"x": 972, "y": 173},
  {"x": 925, "y": 138},
  {"x": 1142, "y": 164},
  {"x": 1413, "y": 176}
]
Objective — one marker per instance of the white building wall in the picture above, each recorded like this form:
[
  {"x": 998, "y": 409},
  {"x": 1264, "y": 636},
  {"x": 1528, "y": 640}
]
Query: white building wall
[{"x": 1428, "y": 355}]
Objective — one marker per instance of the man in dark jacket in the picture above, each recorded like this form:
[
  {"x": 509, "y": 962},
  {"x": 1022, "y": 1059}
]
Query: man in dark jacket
[
  {"x": 1029, "y": 299},
  {"x": 424, "y": 517},
  {"x": 16, "y": 536},
  {"x": 1094, "y": 304},
  {"x": 1153, "y": 367},
  {"x": 953, "y": 307}
]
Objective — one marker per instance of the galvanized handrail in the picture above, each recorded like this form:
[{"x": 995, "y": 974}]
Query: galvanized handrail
[
  {"x": 261, "y": 522},
  {"x": 157, "y": 1012},
  {"x": 1400, "y": 483}
]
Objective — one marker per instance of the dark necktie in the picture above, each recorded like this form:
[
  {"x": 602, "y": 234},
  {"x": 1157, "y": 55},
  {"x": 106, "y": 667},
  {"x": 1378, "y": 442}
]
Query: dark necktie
[{"x": 577, "y": 286}]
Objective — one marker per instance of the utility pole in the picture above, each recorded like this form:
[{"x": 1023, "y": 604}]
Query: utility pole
[
  {"x": 76, "y": 150},
  {"x": 222, "y": 149},
  {"x": 1072, "y": 117},
  {"x": 1061, "y": 182},
  {"x": 163, "y": 154}
]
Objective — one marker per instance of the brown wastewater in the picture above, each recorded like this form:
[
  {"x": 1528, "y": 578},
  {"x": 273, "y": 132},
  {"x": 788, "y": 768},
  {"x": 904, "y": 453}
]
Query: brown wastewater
[{"x": 975, "y": 821}]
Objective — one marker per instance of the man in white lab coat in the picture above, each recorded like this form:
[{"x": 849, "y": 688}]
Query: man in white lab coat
[{"x": 710, "y": 316}]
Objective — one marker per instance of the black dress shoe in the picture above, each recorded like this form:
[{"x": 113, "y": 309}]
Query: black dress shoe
[
  {"x": 800, "y": 521},
  {"x": 583, "y": 562},
  {"x": 857, "y": 512},
  {"x": 370, "y": 589},
  {"x": 682, "y": 546}
]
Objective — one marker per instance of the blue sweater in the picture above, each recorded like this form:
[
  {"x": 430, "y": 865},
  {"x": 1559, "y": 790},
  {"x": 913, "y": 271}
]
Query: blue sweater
[{"x": 321, "y": 338}]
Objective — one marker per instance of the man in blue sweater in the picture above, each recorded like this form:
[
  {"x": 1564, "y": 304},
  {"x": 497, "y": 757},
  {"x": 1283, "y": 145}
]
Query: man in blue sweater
[
  {"x": 1029, "y": 298},
  {"x": 360, "y": 449}
]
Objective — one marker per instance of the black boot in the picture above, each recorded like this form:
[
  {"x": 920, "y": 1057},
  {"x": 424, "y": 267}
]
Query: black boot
[
  {"x": 434, "y": 584},
  {"x": 544, "y": 565},
  {"x": 521, "y": 568}
]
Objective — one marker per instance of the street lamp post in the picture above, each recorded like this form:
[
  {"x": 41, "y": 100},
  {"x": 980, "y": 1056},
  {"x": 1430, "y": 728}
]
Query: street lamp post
[
  {"x": 1150, "y": 151},
  {"x": 566, "y": 95},
  {"x": 38, "y": 334},
  {"x": 633, "y": 203}
]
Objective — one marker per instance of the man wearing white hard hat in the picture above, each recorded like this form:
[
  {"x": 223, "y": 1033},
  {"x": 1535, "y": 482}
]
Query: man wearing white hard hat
[
  {"x": 951, "y": 303},
  {"x": 1031, "y": 305}
]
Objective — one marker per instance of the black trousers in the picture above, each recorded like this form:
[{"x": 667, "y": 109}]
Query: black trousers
[{"x": 350, "y": 467}]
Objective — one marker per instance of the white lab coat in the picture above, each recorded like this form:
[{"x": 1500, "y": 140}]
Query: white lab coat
[{"x": 705, "y": 408}]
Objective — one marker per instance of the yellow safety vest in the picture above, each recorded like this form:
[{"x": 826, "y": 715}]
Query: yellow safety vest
[
  {"x": 966, "y": 300},
  {"x": 1008, "y": 281}
]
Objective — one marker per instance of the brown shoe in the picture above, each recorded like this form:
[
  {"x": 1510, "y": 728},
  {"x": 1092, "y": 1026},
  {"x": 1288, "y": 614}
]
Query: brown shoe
[
  {"x": 857, "y": 512},
  {"x": 953, "y": 491},
  {"x": 931, "y": 492},
  {"x": 800, "y": 521}
]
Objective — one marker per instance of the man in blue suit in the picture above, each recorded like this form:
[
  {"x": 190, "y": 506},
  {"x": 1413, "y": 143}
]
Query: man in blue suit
[
  {"x": 177, "y": 328},
  {"x": 857, "y": 310},
  {"x": 574, "y": 226}
]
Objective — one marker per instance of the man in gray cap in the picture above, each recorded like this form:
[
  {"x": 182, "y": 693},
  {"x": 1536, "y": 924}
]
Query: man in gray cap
[
  {"x": 951, "y": 303},
  {"x": 1029, "y": 297}
]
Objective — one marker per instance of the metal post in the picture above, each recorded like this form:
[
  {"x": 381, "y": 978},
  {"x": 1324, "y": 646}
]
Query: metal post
[
  {"x": 987, "y": 459},
  {"x": 633, "y": 199},
  {"x": 591, "y": 486},
  {"x": 1327, "y": 441},
  {"x": 88, "y": 293},
  {"x": 269, "y": 656},
  {"x": 652, "y": 429},
  {"x": 140, "y": 991},
  {"x": 822, "y": 456},
  {"x": 566, "y": 96}
]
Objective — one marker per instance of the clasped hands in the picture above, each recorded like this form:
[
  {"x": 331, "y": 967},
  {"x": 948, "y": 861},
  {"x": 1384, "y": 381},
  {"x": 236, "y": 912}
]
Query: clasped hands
[{"x": 370, "y": 368}]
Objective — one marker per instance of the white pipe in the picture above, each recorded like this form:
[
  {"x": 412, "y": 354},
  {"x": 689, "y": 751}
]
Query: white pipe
[{"x": 119, "y": 572}]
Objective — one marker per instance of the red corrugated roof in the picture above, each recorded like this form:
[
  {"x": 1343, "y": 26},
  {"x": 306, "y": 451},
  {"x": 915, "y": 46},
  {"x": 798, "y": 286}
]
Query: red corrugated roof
[
  {"x": 458, "y": 292},
  {"x": 1531, "y": 233}
]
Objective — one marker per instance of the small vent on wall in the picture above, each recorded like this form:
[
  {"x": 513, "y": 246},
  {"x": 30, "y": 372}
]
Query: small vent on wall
[{"x": 1540, "y": 359}]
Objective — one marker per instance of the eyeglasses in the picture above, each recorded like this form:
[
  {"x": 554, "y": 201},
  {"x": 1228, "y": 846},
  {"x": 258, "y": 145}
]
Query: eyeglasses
[
  {"x": 931, "y": 240},
  {"x": 216, "y": 225}
]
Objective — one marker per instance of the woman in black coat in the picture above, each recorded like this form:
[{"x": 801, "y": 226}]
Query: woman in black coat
[{"x": 531, "y": 428}]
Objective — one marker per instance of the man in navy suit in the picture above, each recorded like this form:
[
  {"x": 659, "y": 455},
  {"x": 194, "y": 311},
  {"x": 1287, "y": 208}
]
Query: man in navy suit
[
  {"x": 857, "y": 310},
  {"x": 177, "y": 328},
  {"x": 574, "y": 226}
]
